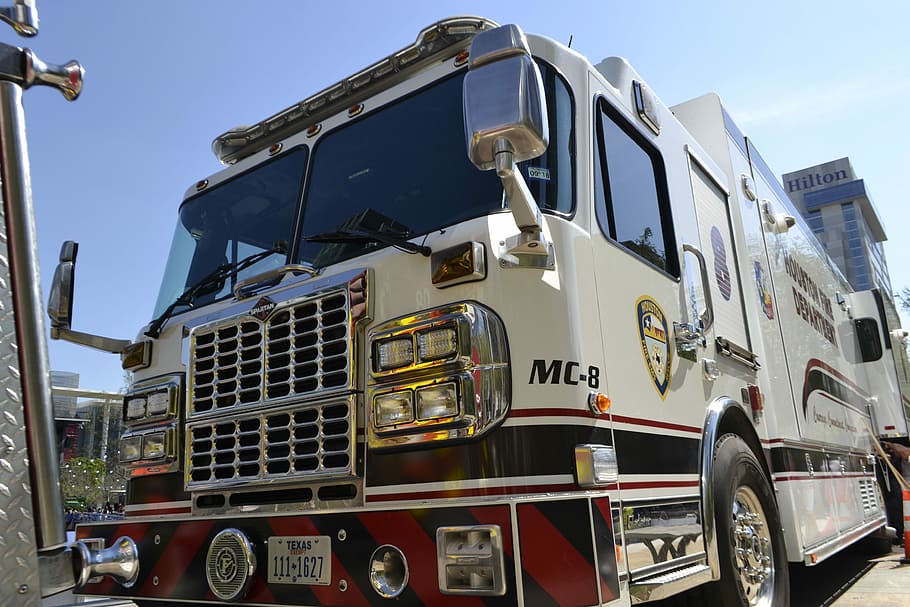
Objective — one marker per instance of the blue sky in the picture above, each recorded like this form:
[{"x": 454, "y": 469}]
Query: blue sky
[{"x": 808, "y": 81}]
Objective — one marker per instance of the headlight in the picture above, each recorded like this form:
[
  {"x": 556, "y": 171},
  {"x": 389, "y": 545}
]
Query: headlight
[
  {"x": 438, "y": 375},
  {"x": 394, "y": 353},
  {"x": 152, "y": 402},
  {"x": 154, "y": 446},
  {"x": 393, "y": 408},
  {"x": 157, "y": 403},
  {"x": 130, "y": 448},
  {"x": 141, "y": 449},
  {"x": 437, "y": 343},
  {"x": 135, "y": 407},
  {"x": 436, "y": 402}
]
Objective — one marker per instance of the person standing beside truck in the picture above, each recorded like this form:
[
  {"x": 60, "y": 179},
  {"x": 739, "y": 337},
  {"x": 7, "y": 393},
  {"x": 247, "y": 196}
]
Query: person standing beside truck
[
  {"x": 900, "y": 456},
  {"x": 899, "y": 452}
]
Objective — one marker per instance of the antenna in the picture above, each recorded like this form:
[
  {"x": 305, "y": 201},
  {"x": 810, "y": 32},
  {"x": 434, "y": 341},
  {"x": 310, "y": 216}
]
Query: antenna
[{"x": 570, "y": 41}]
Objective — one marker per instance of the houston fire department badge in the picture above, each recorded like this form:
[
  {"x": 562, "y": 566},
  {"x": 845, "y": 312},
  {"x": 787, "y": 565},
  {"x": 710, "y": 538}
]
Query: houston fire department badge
[{"x": 655, "y": 342}]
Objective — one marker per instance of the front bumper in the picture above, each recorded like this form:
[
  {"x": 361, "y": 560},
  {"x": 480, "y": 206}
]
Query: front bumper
[{"x": 565, "y": 547}]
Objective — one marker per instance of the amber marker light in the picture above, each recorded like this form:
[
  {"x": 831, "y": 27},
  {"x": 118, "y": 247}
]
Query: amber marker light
[
  {"x": 355, "y": 110},
  {"x": 313, "y": 130},
  {"x": 136, "y": 356},
  {"x": 202, "y": 184},
  {"x": 465, "y": 262},
  {"x": 275, "y": 148},
  {"x": 461, "y": 58},
  {"x": 599, "y": 402}
]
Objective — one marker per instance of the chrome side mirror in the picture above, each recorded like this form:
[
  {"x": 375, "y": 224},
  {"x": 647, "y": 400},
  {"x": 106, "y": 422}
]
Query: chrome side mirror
[
  {"x": 60, "y": 306},
  {"x": 503, "y": 98},
  {"x": 505, "y": 117},
  {"x": 60, "y": 301}
]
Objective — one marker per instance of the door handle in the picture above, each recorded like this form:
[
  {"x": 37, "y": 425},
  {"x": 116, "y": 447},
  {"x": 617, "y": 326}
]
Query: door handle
[
  {"x": 706, "y": 318},
  {"x": 687, "y": 337}
]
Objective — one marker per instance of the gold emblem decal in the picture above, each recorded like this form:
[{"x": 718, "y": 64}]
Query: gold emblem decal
[{"x": 655, "y": 342}]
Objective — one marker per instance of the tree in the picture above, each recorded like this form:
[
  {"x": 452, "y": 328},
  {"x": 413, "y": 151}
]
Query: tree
[
  {"x": 644, "y": 246},
  {"x": 83, "y": 478},
  {"x": 903, "y": 298}
]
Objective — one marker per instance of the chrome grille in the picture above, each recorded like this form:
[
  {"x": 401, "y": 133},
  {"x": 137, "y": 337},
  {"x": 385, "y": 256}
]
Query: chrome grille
[
  {"x": 302, "y": 348},
  {"x": 312, "y": 440}
]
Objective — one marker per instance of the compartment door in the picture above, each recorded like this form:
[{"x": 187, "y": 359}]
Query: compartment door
[{"x": 719, "y": 248}]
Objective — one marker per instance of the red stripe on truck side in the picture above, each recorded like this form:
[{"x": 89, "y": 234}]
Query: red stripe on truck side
[
  {"x": 188, "y": 539},
  {"x": 400, "y": 529},
  {"x": 553, "y": 562}
]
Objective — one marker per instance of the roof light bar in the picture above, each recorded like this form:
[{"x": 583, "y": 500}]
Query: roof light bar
[{"x": 437, "y": 42}]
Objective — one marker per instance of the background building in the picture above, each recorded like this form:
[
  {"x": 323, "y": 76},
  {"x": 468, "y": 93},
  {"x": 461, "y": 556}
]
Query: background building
[
  {"x": 838, "y": 208},
  {"x": 64, "y": 405},
  {"x": 88, "y": 422},
  {"x": 67, "y": 421}
]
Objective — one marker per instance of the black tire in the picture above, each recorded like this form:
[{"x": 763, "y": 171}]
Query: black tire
[{"x": 746, "y": 518}]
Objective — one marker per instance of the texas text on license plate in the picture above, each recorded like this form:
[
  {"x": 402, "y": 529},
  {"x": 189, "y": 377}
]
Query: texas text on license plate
[{"x": 303, "y": 559}]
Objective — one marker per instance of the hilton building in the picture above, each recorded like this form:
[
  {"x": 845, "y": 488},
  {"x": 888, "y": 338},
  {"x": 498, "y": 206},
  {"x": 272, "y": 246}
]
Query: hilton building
[{"x": 838, "y": 208}]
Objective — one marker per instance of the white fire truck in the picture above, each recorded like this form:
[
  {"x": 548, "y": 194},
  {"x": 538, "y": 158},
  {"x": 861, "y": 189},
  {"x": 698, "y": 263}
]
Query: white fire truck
[{"x": 485, "y": 323}]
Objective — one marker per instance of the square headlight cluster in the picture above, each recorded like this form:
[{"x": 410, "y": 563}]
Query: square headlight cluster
[
  {"x": 149, "y": 446},
  {"x": 150, "y": 413},
  {"x": 424, "y": 403},
  {"x": 436, "y": 375},
  {"x": 151, "y": 404},
  {"x": 416, "y": 347}
]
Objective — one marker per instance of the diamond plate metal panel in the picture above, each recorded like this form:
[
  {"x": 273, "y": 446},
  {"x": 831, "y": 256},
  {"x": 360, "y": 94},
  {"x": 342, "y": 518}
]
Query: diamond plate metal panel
[{"x": 19, "y": 582}]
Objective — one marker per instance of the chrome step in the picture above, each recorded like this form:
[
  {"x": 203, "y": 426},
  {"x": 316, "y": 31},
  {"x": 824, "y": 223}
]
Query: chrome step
[{"x": 668, "y": 584}]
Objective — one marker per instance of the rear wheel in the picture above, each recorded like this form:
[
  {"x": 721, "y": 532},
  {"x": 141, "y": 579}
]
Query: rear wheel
[{"x": 753, "y": 564}]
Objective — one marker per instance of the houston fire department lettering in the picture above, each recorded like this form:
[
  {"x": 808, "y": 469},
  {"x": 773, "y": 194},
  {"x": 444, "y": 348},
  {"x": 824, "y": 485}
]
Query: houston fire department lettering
[
  {"x": 811, "y": 302},
  {"x": 654, "y": 335}
]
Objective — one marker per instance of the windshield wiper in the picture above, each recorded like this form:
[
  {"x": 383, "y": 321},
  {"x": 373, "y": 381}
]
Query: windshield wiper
[
  {"x": 394, "y": 239},
  {"x": 215, "y": 278}
]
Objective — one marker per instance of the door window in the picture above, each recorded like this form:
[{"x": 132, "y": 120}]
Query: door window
[{"x": 631, "y": 192}]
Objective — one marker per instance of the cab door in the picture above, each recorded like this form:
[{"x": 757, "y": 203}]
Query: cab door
[{"x": 657, "y": 397}]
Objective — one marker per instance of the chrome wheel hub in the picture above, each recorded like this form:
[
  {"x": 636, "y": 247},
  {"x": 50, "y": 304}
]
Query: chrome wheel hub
[{"x": 752, "y": 548}]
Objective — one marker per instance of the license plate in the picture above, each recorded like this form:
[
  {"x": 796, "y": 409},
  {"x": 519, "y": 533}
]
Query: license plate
[{"x": 303, "y": 559}]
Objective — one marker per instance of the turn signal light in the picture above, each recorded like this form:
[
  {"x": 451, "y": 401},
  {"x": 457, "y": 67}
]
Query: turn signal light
[
  {"x": 599, "y": 402},
  {"x": 595, "y": 465},
  {"x": 465, "y": 262},
  {"x": 136, "y": 356}
]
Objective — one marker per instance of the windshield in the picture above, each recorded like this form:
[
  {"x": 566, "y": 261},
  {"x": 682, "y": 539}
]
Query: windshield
[
  {"x": 401, "y": 170},
  {"x": 248, "y": 214},
  {"x": 405, "y": 170}
]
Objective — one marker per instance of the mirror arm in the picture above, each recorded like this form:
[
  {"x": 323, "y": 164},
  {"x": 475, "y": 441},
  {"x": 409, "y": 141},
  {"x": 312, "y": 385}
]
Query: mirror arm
[
  {"x": 524, "y": 208},
  {"x": 105, "y": 344},
  {"x": 530, "y": 248}
]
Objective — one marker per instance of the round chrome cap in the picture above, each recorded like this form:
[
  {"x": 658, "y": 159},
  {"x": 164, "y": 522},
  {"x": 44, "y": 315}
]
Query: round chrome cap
[
  {"x": 230, "y": 564},
  {"x": 388, "y": 571}
]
